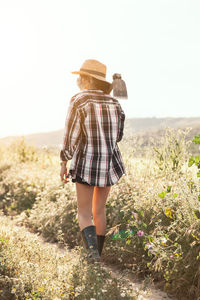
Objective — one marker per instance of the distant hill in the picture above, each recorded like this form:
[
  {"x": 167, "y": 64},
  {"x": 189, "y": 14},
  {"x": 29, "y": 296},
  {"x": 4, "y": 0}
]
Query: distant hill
[
  {"x": 132, "y": 127},
  {"x": 49, "y": 139},
  {"x": 155, "y": 124}
]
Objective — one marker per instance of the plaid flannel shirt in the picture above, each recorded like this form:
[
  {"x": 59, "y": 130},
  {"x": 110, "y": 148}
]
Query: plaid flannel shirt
[{"x": 93, "y": 127}]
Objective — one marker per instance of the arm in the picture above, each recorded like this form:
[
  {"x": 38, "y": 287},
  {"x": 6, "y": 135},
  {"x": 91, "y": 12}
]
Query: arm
[
  {"x": 71, "y": 133},
  {"x": 121, "y": 123}
]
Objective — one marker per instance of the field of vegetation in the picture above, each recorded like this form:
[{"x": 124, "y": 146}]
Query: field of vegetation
[{"x": 153, "y": 223}]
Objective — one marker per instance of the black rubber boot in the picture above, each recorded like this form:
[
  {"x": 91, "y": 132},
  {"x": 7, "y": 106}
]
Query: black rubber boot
[
  {"x": 100, "y": 242},
  {"x": 89, "y": 238}
]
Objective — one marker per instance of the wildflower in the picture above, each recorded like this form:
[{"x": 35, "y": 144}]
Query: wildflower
[
  {"x": 13, "y": 290},
  {"x": 149, "y": 245},
  {"x": 168, "y": 212},
  {"x": 140, "y": 233},
  {"x": 163, "y": 241},
  {"x": 171, "y": 256},
  {"x": 195, "y": 237},
  {"x": 123, "y": 294},
  {"x": 134, "y": 214}
]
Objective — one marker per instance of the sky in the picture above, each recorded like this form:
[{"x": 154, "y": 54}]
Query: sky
[{"x": 155, "y": 45}]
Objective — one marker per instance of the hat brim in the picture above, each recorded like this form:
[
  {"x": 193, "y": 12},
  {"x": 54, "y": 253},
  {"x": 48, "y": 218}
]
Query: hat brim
[{"x": 91, "y": 75}]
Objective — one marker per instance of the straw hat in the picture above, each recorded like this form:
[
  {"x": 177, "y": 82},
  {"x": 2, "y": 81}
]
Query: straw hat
[{"x": 93, "y": 68}]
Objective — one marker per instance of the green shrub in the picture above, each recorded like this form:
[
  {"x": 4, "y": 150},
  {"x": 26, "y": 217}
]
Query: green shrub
[
  {"x": 173, "y": 153},
  {"x": 21, "y": 152},
  {"x": 153, "y": 213},
  {"x": 195, "y": 160}
]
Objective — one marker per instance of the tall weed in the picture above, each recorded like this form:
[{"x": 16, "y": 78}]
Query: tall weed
[{"x": 153, "y": 212}]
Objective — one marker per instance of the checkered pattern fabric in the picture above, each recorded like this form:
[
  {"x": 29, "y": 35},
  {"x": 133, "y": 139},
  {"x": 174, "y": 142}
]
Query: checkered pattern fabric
[{"x": 93, "y": 127}]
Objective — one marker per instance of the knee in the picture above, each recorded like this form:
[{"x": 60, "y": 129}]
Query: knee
[
  {"x": 98, "y": 213},
  {"x": 84, "y": 214}
]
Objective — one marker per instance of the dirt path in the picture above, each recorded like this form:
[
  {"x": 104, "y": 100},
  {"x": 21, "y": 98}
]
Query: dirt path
[
  {"x": 150, "y": 293},
  {"x": 139, "y": 289}
]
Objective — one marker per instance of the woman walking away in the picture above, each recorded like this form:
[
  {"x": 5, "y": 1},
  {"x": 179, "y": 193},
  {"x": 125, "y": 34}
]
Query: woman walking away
[{"x": 93, "y": 127}]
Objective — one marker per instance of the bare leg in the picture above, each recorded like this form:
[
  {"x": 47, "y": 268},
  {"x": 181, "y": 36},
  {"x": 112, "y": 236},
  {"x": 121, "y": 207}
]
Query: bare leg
[
  {"x": 100, "y": 196},
  {"x": 84, "y": 204}
]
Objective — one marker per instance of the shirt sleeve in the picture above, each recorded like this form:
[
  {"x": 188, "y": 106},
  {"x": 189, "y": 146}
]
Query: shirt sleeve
[
  {"x": 72, "y": 132},
  {"x": 121, "y": 123}
]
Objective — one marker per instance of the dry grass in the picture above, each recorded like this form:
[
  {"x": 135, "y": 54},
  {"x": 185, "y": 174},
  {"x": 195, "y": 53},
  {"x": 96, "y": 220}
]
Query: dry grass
[
  {"x": 156, "y": 203},
  {"x": 34, "y": 270}
]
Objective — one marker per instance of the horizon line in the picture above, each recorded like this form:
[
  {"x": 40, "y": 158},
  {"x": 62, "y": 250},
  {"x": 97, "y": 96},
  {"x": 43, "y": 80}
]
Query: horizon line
[{"x": 128, "y": 118}]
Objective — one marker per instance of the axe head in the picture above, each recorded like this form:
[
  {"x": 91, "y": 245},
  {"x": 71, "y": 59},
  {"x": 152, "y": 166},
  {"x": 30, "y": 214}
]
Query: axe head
[{"x": 119, "y": 87}]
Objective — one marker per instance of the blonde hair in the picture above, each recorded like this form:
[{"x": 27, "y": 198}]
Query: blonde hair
[{"x": 97, "y": 84}]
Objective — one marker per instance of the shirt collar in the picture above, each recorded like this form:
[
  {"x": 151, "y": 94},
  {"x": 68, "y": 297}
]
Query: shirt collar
[{"x": 93, "y": 90}]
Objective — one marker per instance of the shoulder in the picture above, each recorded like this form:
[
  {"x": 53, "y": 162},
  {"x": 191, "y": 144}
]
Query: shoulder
[
  {"x": 75, "y": 98},
  {"x": 83, "y": 98},
  {"x": 80, "y": 98}
]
